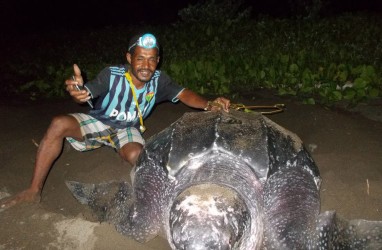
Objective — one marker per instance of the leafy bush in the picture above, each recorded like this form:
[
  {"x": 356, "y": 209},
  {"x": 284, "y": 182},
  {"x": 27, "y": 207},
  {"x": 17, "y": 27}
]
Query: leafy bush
[
  {"x": 325, "y": 60},
  {"x": 216, "y": 48}
]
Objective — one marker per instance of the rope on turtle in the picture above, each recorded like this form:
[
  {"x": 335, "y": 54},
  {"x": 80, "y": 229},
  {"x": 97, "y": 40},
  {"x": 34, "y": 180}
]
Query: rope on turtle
[{"x": 277, "y": 108}]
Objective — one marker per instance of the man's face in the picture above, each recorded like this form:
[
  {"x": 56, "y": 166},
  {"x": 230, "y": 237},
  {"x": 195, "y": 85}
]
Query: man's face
[{"x": 143, "y": 63}]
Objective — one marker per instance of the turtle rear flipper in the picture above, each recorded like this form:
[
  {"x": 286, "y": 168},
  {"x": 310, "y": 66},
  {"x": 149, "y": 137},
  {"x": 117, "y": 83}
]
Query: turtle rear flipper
[{"x": 334, "y": 232}]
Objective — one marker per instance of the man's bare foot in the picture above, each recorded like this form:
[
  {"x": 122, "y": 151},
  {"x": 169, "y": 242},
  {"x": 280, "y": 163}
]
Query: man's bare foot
[{"x": 24, "y": 196}]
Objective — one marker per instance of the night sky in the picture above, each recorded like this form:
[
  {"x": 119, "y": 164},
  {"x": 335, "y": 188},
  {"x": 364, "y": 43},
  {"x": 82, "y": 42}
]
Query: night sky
[{"x": 36, "y": 15}]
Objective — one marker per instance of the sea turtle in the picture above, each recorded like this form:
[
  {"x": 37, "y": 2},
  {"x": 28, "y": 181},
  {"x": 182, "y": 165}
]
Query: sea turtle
[{"x": 232, "y": 180}]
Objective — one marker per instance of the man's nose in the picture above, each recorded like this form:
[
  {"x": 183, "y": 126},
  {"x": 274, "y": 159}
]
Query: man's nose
[{"x": 145, "y": 63}]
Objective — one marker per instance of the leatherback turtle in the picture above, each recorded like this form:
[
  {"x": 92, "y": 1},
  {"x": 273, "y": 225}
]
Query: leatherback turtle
[{"x": 233, "y": 180}]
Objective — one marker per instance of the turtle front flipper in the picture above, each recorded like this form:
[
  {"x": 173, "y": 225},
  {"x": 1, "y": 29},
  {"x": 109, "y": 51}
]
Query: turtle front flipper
[
  {"x": 110, "y": 201},
  {"x": 144, "y": 219},
  {"x": 83, "y": 192},
  {"x": 291, "y": 206},
  {"x": 334, "y": 232}
]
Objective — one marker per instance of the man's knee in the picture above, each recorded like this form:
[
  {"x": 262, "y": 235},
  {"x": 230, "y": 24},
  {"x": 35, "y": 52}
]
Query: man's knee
[
  {"x": 130, "y": 152},
  {"x": 64, "y": 126}
]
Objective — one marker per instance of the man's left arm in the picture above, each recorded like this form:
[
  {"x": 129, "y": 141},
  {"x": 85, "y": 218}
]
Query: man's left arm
[{"x": 194, "y": 100}]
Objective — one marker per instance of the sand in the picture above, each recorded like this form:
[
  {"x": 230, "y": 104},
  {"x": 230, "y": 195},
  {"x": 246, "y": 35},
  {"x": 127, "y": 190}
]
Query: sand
[{"x": 346, "y": 146}]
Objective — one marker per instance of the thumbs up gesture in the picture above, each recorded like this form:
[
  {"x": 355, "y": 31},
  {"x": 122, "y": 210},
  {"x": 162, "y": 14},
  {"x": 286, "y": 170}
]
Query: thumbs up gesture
[{"x": 75, "y": 87}]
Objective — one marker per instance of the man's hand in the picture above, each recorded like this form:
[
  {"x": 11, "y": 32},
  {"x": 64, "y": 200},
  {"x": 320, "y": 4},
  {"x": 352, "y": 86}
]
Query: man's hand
[
  {"x": 80, "y": 96},
  {"x": 194, "y": 100},
  {"x": 219, "y": 104}
]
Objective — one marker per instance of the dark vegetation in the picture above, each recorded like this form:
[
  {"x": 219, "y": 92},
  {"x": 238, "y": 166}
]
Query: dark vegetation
[{"x": 218, "y": 47}]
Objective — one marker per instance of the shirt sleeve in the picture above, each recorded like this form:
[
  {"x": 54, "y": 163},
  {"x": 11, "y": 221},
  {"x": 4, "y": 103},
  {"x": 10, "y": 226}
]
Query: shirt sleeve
[
  {"x": 167, "y": 90},
  {"x": 99, "y": 85}
]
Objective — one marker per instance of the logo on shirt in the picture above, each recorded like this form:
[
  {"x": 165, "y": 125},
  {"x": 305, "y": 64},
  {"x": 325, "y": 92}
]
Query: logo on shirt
[
  {"x": 149, "y": 96},
  {"x": 123, "y": 116}
]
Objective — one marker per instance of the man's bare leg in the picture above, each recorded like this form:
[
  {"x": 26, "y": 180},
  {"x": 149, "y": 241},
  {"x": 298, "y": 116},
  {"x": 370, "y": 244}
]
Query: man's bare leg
[
  {"x": 130, "y": 152},
  {"x": 49, "y": 149}
]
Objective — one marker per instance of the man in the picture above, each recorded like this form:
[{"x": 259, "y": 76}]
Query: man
[{"x": 123, "y": 96}]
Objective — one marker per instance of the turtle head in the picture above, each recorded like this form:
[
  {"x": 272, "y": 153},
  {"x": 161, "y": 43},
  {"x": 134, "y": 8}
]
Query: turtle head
[{"x": 208, "y": 216}]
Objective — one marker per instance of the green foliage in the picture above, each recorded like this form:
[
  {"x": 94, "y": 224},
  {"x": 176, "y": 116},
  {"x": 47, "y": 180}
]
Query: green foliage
[
  {"x": 204, "y": 62},
  {"x": 214, "y": 12},
  {"x": 216, "y": 48},
  {"x": 307, "y": 8},
  {"x": 318, "y": 60},
  {"x": 44, "y": 86}
]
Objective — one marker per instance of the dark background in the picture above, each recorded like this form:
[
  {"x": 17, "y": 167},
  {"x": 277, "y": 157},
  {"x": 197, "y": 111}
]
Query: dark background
[
  {"x": 39, "y": 15},
  {"x": 35, "y": 15}
]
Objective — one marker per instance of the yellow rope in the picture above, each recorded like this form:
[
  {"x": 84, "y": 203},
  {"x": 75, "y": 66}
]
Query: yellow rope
[
  {"x": 277, "y": 108},
  {"x": 130, "y": 80}
]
